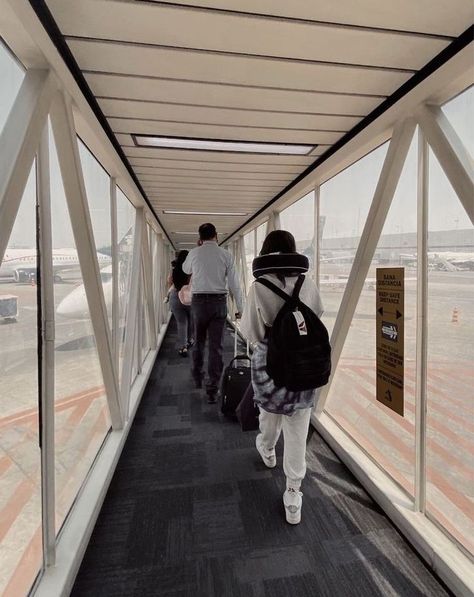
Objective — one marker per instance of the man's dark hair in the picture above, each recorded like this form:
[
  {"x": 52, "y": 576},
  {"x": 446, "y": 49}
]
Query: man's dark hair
[
  {"x": 279, "y": 241},
  {"x": 207, "y": 231}
]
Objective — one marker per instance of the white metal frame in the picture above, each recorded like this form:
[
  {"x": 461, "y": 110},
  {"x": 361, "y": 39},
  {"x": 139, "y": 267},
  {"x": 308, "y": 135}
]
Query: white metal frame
[
  {"x": 20, "y": 139},
  {"x": 47, "y": 395},
  {"x": 24, "y": 134},
  {"x": 384, "y": 192},
  {"x": 131, "y": 318},
  {"x": 65, "y": 137},
  {"x": 431, "y": 540},
  {"x": 453, "y": 157},
  {"x": 115, "y": 273},
  {"x": 422, "y": 323}
]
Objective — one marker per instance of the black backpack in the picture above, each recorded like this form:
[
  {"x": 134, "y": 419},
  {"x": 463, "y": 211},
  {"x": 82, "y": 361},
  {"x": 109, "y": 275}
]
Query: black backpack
[{"x": 299, "y": 353}]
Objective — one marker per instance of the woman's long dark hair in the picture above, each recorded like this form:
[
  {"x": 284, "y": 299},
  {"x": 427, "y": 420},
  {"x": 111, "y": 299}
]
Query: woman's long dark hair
[
  {"x": 279, "y": 241},
  {"x": 178, "y": 276}
]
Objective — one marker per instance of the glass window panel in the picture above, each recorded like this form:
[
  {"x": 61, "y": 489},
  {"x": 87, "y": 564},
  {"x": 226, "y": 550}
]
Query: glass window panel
[
  {"x": 11, "y": 76},
  {"x": 459, "y": 112},
  {"x": 450, "y": 405},
  {"x": 344, "y": 204},
  {"x": 20, "y": 456},
  {"x": 97, "y": 183},
  {"x": 261, "y": 230},
  {"x": 249, "y": 255},
  {"x": 146, "y": 334},
  {"x": 388, "y": 437},
  {"x": 299, "y": 220},
  {"x": 81, "y": 412},
  {"x": 125, "y": 235}
]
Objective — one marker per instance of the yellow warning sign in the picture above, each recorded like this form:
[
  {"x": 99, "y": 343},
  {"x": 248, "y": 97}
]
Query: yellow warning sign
[{"x": 390, "y": 336}]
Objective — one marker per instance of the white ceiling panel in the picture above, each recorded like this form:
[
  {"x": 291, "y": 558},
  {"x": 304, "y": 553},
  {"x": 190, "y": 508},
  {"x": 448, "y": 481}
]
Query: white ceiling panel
[
  {"x": 185, "y": 174},
  {"x": 208, "y": 131},
  {"x": 449, "y": 17},
  {"x": 175, "y": 26},
  {"x": 142, "y": 166},
  {"x": 212, "y": 158},
  {"x": 230, "y": 97},
  {"x": 235, "y": 70},
  {"x": 239, "y": 70},
  {"x": 123, "y": 108}
]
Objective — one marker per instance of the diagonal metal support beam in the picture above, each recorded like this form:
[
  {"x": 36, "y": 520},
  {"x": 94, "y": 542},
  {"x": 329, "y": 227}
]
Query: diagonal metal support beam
[
  {"x": 19, "y": 142},
  {"x": 451, "y": 153},
  {"x": 386, "y": 186},
  {"x": 148, "y": 285},
  {"x": 71, "y": 171},
  {"x": 132, "y": 308}
]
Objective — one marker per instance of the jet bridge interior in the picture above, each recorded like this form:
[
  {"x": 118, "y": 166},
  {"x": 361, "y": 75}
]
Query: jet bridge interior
[{"x": 124, "y": 125}]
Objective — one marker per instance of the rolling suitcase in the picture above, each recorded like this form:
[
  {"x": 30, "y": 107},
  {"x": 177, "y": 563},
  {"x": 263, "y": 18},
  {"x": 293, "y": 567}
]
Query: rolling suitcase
[{"x": 235, "y": 381}]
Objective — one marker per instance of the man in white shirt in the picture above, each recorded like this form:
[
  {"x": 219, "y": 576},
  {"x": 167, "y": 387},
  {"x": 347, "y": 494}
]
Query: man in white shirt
[{"x": 211, "y": 266}]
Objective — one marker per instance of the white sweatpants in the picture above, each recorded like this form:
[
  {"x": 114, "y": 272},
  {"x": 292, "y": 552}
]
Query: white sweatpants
[{"x": 295, "y": 432}]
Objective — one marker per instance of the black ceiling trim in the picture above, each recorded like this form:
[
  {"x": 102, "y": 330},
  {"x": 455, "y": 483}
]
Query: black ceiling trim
[
  {"x": 456, "y": 46},
  {"x": 269, "y": 57},
  {"x": 238, "y": 85},
  {"x": 301, "y": 20},
  {"x": 44, "y": 15}
]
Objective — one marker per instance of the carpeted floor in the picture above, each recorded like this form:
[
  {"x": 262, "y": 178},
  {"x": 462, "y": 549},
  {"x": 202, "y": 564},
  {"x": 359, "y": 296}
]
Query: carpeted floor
[{"x": 193, "y": 512}]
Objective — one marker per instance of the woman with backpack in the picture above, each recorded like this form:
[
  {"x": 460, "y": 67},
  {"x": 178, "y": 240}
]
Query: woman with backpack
[
  {"x": 282, "y": 409},
  {"x": 182, "y": 313}
]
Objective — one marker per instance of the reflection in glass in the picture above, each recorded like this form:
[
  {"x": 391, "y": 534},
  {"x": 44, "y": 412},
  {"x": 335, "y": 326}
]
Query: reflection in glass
[
  {"x": 298, "y": 219},
  {"x": 450, "y": 405},
  {"x": 125, "y": 235},
  {"x": 20, "y": 458},
  {"x": 81, "y": 413},
  {"x": 97, "y": 183},
  {"x": 388, "y": 437},
  {"x": 459, "y": 111},
  {"x": 260, "y": 236},
  {"x": 344, "y": 204},
  {"x": 249, "y": 255}
]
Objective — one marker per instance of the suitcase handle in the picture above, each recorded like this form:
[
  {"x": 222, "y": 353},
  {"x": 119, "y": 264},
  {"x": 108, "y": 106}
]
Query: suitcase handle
[{"x": 240, "y": 357}]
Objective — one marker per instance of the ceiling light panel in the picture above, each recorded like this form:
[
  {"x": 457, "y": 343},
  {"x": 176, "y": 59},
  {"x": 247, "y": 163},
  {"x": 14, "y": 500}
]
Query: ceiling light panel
[{"x": 226, "y": 146}]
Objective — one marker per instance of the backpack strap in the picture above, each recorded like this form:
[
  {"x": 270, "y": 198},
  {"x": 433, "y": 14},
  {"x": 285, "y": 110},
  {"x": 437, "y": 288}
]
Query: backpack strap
[
  {"x": 274, "y": 288},
  {"x": 294, "y": 298},
  {"x": 296, "y": 291}
]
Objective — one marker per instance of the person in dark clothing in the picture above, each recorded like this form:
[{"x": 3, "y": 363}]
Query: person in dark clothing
[
  {"x": 212, "y": 268},
  {"x": 182, "y": 313}
]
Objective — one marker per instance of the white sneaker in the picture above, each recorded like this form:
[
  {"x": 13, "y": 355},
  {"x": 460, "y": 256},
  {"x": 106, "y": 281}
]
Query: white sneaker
[
  {"x": 292, "y": 500},
  {"x": 268, "y": 456}
]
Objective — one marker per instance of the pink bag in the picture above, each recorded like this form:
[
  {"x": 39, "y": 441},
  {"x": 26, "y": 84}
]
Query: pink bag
[{"x": 185, "y": 295}]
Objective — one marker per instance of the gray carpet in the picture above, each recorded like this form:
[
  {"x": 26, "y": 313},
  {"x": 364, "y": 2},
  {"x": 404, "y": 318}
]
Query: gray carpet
[{"x": 192, "y": 511}]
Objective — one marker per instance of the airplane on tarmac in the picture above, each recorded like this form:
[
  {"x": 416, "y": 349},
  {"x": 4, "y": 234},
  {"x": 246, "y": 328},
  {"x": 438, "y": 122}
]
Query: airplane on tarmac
[
  {"x": 74, "y": 305},
  {"x": 20, "y": 264},
  {"x": 450, "y": 261}
]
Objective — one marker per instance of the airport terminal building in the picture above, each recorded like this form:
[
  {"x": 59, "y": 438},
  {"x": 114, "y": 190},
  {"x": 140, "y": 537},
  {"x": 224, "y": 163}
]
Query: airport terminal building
[{"x": 124, "y": 125}]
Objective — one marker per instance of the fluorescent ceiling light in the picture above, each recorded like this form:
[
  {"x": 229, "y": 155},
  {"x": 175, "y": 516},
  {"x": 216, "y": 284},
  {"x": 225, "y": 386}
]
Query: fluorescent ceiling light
[
  {"x": 203, "y": 213},
  {"x": 232, "y": 146}
]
